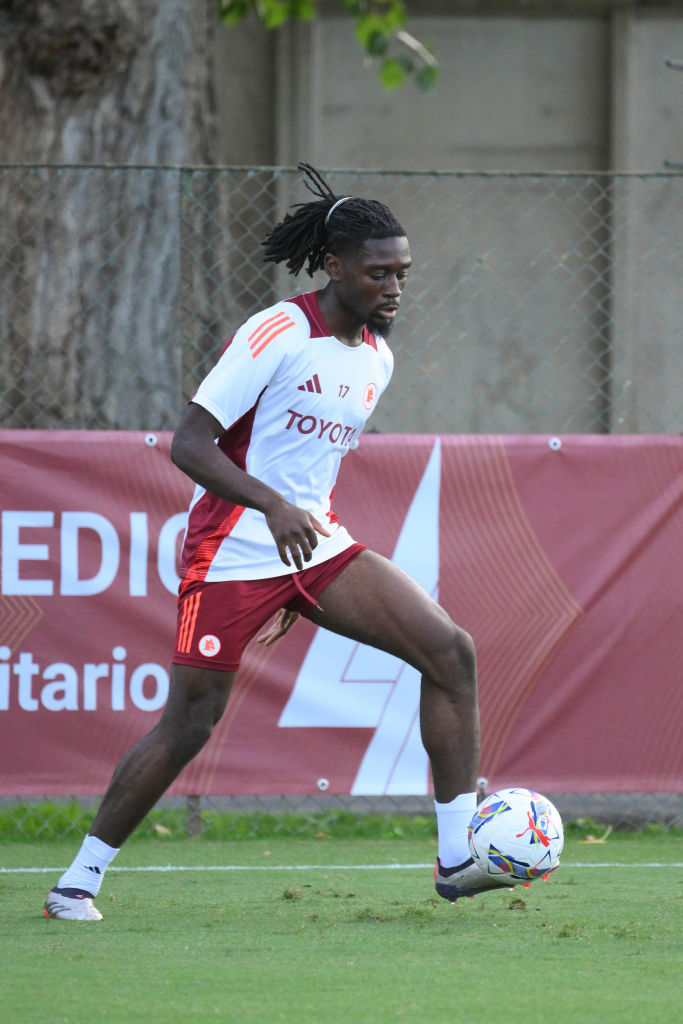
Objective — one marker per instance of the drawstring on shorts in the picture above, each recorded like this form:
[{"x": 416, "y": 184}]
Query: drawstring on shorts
[{"x": 299, "y": 586}]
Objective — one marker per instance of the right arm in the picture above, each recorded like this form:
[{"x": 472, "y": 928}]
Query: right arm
[{"x": 194, "y": 452}]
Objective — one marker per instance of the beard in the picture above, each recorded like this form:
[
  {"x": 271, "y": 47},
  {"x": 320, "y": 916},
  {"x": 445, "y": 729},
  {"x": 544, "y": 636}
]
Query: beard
[{"x": 379, "y": 326}]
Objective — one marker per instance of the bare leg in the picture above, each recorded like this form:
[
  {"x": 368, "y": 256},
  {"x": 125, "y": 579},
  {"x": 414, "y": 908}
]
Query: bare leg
[
  {"x": 197, "y": 699},
  {"x": 376, "y": 603}
]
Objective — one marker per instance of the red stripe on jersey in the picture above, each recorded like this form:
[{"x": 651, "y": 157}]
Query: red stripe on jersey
[
  {"x": 267, "y": 332},
  {"x": 228, "y": 343},
  {"x": 308, "y": 302},
  {"x": 331, "y": 515},
  {"x": 369, "y": 338},
  {"x": 263, "y": 327},
  {"x": 210, "y": 515},
  {"x": 206, "y": 552},
  {"x": 271, "y": 337}
]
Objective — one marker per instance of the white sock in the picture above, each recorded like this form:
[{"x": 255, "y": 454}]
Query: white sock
[
  {"x": 88, "y": 867},
  {"x": 452, "y": 820}
]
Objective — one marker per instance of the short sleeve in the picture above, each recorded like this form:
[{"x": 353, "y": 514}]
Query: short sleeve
[{"x": 250, "y": 362}]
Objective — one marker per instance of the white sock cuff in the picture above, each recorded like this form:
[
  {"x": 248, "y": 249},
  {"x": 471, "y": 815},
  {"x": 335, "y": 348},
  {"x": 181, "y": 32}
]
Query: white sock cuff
[
  {"x": 462, "y": 802},
  {"x": 88, "y": 867},
  {"x": 99, "y": 850}
]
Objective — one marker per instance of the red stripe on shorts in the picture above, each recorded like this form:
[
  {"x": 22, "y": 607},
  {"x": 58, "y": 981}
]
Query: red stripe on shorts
[{"x": 188, "y": 621}]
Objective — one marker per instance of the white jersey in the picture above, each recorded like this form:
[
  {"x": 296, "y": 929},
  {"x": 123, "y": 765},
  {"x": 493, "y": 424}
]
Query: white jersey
[{"x": 292, "y": 399}]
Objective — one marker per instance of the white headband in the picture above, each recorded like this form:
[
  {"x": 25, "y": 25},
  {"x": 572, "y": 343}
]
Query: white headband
[{"x": 334, "y": 207}]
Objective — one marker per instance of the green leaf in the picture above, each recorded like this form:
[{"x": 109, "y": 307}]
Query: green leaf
[
  {"x": 395, "y": 16},
  {"x": 304, "y": 10},
  {"x": 392, "y": 73},
  {"x": 232, "y": 12},
  {"x": 378, "y": 44},
  {"x": 376, "y": 24},
  {"x": 368, "y": 26},
  {"x": 275, "y": 13},
  {"x": 426, "y": 78},
  {"x": 372, "y": 22}
]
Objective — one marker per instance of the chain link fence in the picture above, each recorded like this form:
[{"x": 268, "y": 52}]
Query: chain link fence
[
  {"x": 320, "y": 817},
  {"x": 537, "y": 303}
]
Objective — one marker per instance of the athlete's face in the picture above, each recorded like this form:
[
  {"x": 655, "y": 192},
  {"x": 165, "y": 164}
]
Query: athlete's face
[{"x": 369, "y": 282}]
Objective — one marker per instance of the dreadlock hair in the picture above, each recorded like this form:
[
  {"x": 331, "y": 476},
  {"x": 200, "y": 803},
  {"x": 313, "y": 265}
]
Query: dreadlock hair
[{"x": 305, "y": 236}]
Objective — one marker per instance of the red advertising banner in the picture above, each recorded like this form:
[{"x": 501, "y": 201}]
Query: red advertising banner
[{"x": 562, "y": 557}]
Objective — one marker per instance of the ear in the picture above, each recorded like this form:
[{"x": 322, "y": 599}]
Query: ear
[{"x": 333, "y": 267}]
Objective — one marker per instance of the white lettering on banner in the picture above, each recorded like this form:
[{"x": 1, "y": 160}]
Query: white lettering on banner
[
  {"x": 343, "y": 684},
  {"x": 72, "y": 523},
  {"x": 16, "y": 554},
  {"x": 137, "y": 681},
  {"x": 137, "y": 559},
  {"x": 101, "y": 686}
]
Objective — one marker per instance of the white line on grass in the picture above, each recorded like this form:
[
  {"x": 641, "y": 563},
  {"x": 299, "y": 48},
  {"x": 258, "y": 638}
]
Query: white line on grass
[{"x": 321, "y": 867}]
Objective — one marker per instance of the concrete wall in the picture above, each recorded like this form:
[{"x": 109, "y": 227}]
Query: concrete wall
[
  {"x": 647, "y": 134},
  {"x": 513, "y": 94},
  {"x": 581, "y": 87}
]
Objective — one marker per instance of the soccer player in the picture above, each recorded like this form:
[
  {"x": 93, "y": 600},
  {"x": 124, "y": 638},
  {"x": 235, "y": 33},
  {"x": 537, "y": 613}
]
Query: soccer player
[{"x": 263, "y": 438}]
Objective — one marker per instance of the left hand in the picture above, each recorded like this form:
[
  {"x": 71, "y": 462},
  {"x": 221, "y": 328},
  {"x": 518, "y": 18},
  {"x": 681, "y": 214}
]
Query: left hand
[{"x": 281, "y": 624}]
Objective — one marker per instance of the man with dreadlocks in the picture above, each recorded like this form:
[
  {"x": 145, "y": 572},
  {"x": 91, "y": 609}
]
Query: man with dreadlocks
[{"x": 262, "y": 439}]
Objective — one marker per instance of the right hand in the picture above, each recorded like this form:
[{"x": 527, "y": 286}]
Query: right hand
[{"x": 295, "y": 532}]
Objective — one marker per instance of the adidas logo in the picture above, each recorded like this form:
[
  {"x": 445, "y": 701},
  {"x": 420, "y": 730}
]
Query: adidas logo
[
  {"x": 97, "y": 871},
  {"x": 311, "y": 385}
]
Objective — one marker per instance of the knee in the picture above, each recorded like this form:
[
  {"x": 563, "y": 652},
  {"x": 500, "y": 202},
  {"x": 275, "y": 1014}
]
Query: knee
[
  {"x": 182, "y": 744},
  {"x": 465, "y": 653},
  {"x": 457, "y": 664},
  {"x": 196, "y": 733},
  {"x": 185, "y": 731}
]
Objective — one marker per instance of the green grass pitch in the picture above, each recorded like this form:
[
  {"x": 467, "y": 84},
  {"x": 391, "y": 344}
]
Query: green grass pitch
[{"x": 308, "y": 931}]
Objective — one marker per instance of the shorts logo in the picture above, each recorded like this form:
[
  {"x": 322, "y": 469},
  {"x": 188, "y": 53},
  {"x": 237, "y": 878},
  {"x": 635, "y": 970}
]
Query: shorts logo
[
  {"x": 209, "y": 645},
  {"x": 369, "y": 395}
]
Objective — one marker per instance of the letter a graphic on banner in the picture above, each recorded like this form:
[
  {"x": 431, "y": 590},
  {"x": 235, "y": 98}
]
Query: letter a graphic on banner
[{"x": 343, "y": 684}]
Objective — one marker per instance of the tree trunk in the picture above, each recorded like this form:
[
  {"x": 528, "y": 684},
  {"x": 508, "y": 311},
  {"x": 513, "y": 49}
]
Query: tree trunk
[{"x": 90, "y": 260}]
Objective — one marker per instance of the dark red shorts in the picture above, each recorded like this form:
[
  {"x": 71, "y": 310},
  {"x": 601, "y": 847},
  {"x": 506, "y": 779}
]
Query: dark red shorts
[{"x": 217, "y": 620}]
